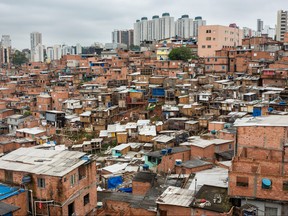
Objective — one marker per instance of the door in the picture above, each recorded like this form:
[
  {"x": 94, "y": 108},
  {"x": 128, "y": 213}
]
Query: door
[{"x": 71, "y": 209}]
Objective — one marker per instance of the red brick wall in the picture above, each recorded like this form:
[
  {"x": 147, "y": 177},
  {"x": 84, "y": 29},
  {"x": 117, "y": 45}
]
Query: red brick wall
[
  {"x": 168, "y": 161},
  {"x": 140, "y": 188},
  {"x": 183, "y": 170},
  {"x": 200, "y": 212},
  {"x": 207, "y": 153},
  {"x": 59, "y": 189},
  {"x": 19, "y": 200},
  {"x": 174, "y": 210},
  {"x": 261, "y": 137}
]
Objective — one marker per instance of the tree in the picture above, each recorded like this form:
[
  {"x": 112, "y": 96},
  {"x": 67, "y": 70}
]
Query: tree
[
  {"x": 19, "y": 58},
  {"x": 180, "y": 53},
  {"x": 134, "y": 47}
]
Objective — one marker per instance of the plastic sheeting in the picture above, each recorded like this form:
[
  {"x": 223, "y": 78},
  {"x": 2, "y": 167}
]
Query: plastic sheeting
[
  {"x": 126, "y": 190},
  {"x": 113, "y": 182}
]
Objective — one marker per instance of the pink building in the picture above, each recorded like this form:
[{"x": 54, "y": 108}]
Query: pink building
[{"x": 216, "y": 37}]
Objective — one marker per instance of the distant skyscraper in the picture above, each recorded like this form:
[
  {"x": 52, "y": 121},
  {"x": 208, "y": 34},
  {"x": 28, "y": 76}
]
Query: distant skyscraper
[
  {"x": 35, "y": 40},
  {"x": 282, "y": 24},
  {"x": 6, "y": 41},
  {"x": 78, "y": 49},
  {"x": 57, "y": 52},
  {"x": 184, "y": 27},
  {"x": 259, "y": 25},
  {"x": 155, "y": 29},
  {"x": 123, "y": 36},
  {"x": 50, "y": 53},
  {"x": 196, "y": 24},
  {"x": 5, "y": 49},
  {"x": 137, "y": 29},
  {"x": 167, "y": 26},
  {"x": 269, "y": 31}
]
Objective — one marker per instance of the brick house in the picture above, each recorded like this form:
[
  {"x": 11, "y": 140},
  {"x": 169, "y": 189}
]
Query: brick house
[
  {"x": 62, "y": 182},
  {"x": 164, "y": 161},
  {"x": 259, "y": 168}
]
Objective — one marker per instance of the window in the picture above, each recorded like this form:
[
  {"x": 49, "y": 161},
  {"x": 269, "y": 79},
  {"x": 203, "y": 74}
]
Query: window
[
  {"x": 223, "y": 67},
  {"x": 242, "y": 181},
  {"x": 207, "y": 67},
  {"x": 285, "y": 185},
  {"x": 82, "y": 172},
  {"x": 208, "y": 38},
  {"x": 72, "y": 179},
  {"x": 86, "y": 199},
  {"x": 203, "y": 46},
  {"x": 41, "y": 182},
  {"x": 208, "y": 60},
  {"x": 8, "y": 176},
  {"x": 270, "y": 211},
  {"x": 209, "y": 46},
  {"x": 208, "y": 31},
  {"x": 230, "y": 146}
]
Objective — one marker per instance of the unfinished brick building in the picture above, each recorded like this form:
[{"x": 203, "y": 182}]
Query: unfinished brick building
[{"x": 259, "y": 171}]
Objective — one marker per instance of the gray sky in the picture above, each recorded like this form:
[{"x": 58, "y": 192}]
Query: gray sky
[{"x": 89, "y": 21}]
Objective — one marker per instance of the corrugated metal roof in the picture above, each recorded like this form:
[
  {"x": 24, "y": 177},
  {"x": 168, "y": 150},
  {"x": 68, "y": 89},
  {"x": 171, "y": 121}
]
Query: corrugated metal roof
[
  {"x": 44, "y": 162},
  {"x": 176, "y": 196}
]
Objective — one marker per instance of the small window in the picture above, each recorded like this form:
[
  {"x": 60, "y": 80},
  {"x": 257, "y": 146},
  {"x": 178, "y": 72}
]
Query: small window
[
  {"x": 72, "y": 179},
  {"x": 242, "y": 181},
  {"x": 8, "y": 176},
  {"x": 203, "y": 46},
  {"x": 285, "y": 185},
  {"x": 86, "y": 199},
  {"x": 208, "y": 38},
  {"x": 230, "y": 146},
  {"x": 41, "y": 182},
  {"x": 82, "y": 171},
  {"x": 209, "y": 46}
]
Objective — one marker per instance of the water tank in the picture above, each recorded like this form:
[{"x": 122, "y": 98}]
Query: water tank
[
  {"x": 145, "y": 167},
  {"x": 85, "y": 158},
  {"x": 165, "y": 14},
  {"x": 164, "y": 151},
  {"x": 270, "y": 109},
  {"x": 26, "y": 179},
  {"x": 213, "y": 131},
  {"x": 178, "y": 162},
  {"x": 155, "y": 17},
  {"x": 198, "y": 18},
  {"x": 169, "y": 150},
  {"x": 266, "y": 183},
  {"x": 185, "y": 16},
  {"x": 144, "y": 18}
]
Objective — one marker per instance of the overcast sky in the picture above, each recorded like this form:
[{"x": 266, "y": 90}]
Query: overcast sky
[{"x": 89, "y": 21}]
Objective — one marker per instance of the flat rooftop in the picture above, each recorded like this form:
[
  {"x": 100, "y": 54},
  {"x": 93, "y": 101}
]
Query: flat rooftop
[
  {"x": 273, "y": 121},
  {"x": 42, "y": 162}
]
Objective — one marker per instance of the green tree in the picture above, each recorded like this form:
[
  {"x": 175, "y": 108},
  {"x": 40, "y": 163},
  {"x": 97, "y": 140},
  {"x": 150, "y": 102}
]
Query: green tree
[
  {"x": 134, "y": 47},
  {"x": 19, "y": 58},
  {"x": 180, "y": 53}
]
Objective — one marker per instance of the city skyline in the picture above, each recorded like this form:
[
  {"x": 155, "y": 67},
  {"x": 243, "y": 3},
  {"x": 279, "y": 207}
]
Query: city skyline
[{"x": 70, "y": 22}]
